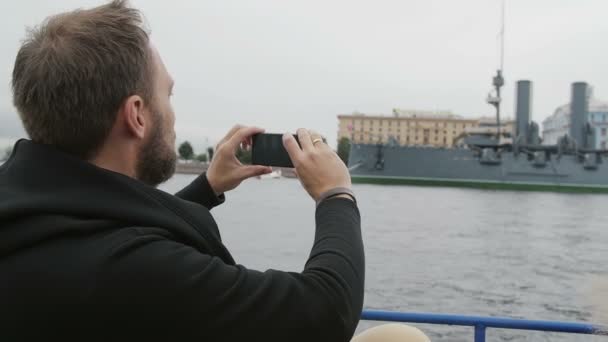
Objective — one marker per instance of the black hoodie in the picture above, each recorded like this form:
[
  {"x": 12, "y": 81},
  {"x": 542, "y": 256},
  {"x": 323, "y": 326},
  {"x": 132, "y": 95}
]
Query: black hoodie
[{"x": 89, "y": 254}]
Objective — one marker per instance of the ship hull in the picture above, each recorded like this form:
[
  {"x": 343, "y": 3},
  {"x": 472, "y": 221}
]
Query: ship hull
[{"x": 463, "y": 168}]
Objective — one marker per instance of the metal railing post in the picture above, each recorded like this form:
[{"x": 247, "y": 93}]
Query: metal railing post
[{"x": 480, "y": 333}]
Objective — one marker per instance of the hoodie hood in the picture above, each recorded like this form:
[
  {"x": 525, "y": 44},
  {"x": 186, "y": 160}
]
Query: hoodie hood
[{"x": 66, "y": 195}]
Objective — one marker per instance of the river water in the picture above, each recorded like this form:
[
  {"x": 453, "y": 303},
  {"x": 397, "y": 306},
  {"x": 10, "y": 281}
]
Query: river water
[{"x": 443, "y": 250}]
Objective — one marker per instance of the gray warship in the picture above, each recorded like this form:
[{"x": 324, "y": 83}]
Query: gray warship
[{"x": 494, "y": 160}]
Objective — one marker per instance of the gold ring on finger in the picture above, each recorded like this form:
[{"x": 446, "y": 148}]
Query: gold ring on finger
[{"x": 317, "y": 140}]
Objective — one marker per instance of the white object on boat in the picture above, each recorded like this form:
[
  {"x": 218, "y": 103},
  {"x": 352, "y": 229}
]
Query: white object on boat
[{"x": 272, "y": 175}]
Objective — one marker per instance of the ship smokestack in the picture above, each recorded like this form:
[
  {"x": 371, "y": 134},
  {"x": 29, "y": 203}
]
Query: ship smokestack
[
  {"x": 578, "y": 113},
  {"x": 522, "y": 110}
]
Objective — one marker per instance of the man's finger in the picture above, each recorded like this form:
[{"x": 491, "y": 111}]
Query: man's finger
[
  {"x": 292, "y": 147},
  {"x": 314, "y": 135},
  {"x": 304, "y": 138},
  {"x": 230, "y": 133},
  {"x": 242, "y": 134},
  {"x": 247, "y": 143},
  {"x": 322, "y": 145}
]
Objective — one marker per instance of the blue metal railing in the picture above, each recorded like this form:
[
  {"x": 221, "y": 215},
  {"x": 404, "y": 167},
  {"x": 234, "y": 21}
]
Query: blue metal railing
[{"x": 481, "y": 323}]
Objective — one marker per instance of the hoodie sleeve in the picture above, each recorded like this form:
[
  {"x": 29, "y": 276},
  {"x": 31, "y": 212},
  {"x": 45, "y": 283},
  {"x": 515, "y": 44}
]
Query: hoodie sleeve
[
  {"x": 164, "y": 288},
  {"x": 199, "y": 191}
]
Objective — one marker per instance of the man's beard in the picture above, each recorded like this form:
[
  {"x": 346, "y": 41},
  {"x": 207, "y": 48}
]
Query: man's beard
[{"x": 156, "y": 162}]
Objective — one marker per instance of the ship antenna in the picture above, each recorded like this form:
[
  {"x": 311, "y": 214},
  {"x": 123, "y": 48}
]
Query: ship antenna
[
  {"x": 502, "y": 38},
  {"x": 498, "y": 81}
]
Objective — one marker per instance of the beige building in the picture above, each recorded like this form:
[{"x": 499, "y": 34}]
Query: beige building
[
  {"x": 405, "y": 127},
  {"x": 413, "y": 127}
]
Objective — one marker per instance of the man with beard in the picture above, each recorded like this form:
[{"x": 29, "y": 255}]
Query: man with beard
[{"x": 91, "y": 250}]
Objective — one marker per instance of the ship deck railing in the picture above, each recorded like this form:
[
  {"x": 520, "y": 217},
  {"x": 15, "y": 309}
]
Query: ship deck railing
[{"x": 481, "y": 323}]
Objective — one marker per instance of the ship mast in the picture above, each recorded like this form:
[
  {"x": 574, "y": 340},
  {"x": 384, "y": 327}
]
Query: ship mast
[{"x": 498, "y": 81}]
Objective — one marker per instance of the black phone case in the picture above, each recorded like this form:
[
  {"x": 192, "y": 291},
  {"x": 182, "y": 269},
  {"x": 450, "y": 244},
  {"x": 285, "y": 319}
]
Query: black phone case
[{"x": 267, "y": 149}]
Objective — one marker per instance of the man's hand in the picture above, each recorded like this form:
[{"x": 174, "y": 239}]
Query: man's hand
[
  {"x": 318, "y": 167},
  {"x": 225, "y": 171}
]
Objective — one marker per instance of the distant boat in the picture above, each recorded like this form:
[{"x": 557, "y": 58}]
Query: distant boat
[
  {"x": 273, "y": 175},
  {"x": 492, "y": 158},
  {"x": 288, "y": 172},
  {"x": 491, "y": 161}
]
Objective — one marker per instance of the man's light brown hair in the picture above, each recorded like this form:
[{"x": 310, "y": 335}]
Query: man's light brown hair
[{"x": 73, "y": 72}]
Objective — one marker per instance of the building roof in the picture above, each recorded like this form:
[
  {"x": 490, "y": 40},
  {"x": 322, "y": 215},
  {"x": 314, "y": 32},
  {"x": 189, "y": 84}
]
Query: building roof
[
  {"x": 399, "y": 114},
  {"x": 415, "y": 113},
  {"x": 598, "y": 106},
  {"x": 595, "y": 106}
]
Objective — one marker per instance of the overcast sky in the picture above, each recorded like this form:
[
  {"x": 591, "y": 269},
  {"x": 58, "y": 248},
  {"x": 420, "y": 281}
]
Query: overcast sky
[{"x": 287, "y": 64}]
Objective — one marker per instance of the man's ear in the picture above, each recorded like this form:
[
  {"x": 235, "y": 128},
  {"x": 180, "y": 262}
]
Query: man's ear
[{"x": 132, "y": 113}]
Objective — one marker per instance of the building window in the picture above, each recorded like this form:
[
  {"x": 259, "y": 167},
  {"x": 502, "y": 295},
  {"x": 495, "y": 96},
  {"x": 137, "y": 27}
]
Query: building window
[
  {"x": 603, "y": 131},
  {"x": 603, "y": 145}
]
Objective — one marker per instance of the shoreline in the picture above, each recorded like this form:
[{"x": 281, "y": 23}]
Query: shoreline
[
  {"x": 197, "y": 168},
  {"x": 191, "y": 168}
]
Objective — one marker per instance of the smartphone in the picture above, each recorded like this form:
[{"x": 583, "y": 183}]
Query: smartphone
[{"x": 267, "y": 149}]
